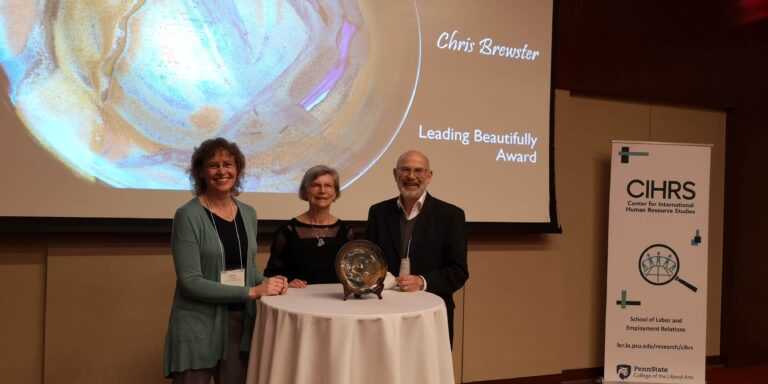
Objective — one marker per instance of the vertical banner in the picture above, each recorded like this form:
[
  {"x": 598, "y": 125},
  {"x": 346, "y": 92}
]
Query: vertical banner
[{"x": 656, "y": 307}]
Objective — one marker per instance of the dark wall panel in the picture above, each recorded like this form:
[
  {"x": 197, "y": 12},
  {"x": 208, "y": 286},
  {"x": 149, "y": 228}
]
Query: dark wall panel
[{"x": 707, "y": 53}]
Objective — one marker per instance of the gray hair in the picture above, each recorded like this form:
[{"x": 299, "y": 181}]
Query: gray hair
[{"x": 312, "y": 174}]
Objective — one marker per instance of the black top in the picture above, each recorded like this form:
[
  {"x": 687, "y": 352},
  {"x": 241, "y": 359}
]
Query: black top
[
  {"x": 229, "y": 239},
  {"x": 295, "y": 252}
]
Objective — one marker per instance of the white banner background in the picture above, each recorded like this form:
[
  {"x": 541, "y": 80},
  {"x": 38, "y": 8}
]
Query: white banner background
[{"x": 655, "y": 328}]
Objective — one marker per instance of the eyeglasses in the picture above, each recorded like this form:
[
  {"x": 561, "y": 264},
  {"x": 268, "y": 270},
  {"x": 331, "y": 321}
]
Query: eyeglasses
[
  {"x": 319, "y": 186},
  {"x": 417, "y": 172}
]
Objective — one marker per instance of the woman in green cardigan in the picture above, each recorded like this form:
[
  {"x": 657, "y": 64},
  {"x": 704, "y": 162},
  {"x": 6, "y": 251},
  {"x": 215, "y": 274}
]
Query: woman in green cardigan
[{"x": 214, "y": 252}]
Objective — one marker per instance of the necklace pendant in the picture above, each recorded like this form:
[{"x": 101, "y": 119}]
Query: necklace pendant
[{"x": 320, "y": 242}]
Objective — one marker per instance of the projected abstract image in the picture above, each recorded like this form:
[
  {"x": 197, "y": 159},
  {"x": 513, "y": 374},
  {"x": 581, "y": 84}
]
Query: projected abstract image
[{"x": 122, "y": 91}]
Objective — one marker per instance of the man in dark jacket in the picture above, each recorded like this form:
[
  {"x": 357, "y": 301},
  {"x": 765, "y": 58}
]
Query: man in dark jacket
[{"x": 423, "y": 238}]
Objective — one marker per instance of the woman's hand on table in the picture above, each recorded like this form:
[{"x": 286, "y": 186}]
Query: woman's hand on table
[
  {"x": 297, "y": 283},
  {"x": 273, "y": 286}
]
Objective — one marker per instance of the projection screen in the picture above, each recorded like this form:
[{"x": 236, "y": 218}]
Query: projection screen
[{"x": 104, "y": 102}]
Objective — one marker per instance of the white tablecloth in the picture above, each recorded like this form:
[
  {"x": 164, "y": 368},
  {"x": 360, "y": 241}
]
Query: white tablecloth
[{"x": 312, "y": 336}]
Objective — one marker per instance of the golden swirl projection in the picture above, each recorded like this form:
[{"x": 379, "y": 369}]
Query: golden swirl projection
[{"x": 121, "y": 91}]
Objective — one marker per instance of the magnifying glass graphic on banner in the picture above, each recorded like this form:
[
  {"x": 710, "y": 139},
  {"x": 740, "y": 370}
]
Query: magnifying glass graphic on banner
[{"x": 659, "y": 265}]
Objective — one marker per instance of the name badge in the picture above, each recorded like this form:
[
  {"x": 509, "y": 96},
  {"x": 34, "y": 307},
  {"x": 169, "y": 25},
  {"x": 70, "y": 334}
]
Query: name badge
[
  {"x": 235, "y": 277},
  {"x": 405, "y": 266}
]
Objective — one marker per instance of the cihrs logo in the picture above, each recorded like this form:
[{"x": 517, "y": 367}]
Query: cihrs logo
[{"x": 623, "y": 370}]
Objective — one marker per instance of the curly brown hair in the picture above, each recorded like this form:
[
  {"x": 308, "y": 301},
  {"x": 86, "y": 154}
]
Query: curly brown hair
[{"x": 206, "y": 151}]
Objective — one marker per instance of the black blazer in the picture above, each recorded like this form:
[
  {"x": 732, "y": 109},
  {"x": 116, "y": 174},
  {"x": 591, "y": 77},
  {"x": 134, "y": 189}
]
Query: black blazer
[{"x": 438, "y": 245}]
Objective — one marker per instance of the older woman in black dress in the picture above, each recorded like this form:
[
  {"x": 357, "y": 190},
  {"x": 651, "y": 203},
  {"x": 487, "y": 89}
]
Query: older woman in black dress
[{"x": 304, "y": 249}]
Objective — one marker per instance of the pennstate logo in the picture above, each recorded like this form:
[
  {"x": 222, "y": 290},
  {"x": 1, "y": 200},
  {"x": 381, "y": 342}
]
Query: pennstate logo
[{"x": 623, "y": 370}]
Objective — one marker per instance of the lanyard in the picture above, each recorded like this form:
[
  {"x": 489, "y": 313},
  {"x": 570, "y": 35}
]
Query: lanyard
[{"x": 221, "y": 245}]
